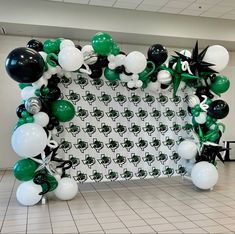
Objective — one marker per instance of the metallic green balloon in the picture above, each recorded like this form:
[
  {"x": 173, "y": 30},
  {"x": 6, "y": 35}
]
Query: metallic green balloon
[
  {"x": 111, "y": 75},
  {"x": 220, "y": 85}
]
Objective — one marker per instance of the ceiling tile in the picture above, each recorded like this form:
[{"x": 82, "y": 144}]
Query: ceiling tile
[
  {"x": 177, "y": 4},
  {"x": 227, "y": 3},
  {"x": 78, "y": 1},
  {"x": 212, "y": 14},
  {"x": 130, "y": 4},
  {"x": 208, "y": 2},
  {"x": 154, "y": 2},
  {"x": 202, "y": 7},
  {"x": 148, "y": 7},
  {"x": 221, "y": 8},
  {"x": 191, "y": 12},
  {"x": 107, "y": 3},
  {"x": 171, "y": 10}
]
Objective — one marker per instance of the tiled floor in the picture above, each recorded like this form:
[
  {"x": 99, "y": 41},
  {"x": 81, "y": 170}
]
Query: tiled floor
[{"x": 142, "y": 206}]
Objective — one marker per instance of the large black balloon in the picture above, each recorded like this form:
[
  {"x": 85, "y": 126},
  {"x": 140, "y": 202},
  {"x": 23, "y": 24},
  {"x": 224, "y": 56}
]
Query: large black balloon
[
  {"x": 203, "y": 91},
  {"x": 96, "y": 72},
  {"x": 20, "y": 109},
  {"x": 35, "y": 45},
  {"x": 24, "y": 65},
  {"x": 218, "y": 109},
  {"x": 157, "y": 53}
]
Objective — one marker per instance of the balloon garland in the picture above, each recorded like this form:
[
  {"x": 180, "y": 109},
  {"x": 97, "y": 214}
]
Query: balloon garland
[{"x": 40, "y": 67}]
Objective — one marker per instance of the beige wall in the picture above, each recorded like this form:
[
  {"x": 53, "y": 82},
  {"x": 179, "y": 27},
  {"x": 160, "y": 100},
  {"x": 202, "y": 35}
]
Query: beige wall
[{"x": 10, "y": 97}]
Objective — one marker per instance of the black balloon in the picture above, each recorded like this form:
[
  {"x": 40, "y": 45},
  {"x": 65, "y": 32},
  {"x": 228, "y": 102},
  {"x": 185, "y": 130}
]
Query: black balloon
[
  {"x": 54, "y": 121},
  {"x": 102, "y": 61},
  {"x": 96, "y": 72},
  {"x": 53, "y": 81},
  {"x": 164, "y": 86},
  {"x": 35, "y": 45},
  {"x": 203, "y": 127},
  {"x": 158, "y": 54},
  {"x": 218, "y": 109},
  {"x": 20, "y": 109},
  {"x": 50, "y": 126},
  {"x": 78, "y": 47},
  {"x": 53, "y": 94},
  {"x": 24, "y": 65},
  {"x": 203, "y": 91}
]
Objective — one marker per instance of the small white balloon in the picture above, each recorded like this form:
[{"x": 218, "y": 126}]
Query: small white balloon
[
  {"x": 39, "y": 83},
  {"x": 187, "y": 149},
  {"x": 44, "y": 55},
  {"x": 201, "y": 119},
  {"x": 186, "y": 53},
  {"x": 154, "y": 86},
  {"x": 90, "y": 57},
  {"x": 41, "y": 118},
  {"x": 193, "y": 100},
  {"x": 131, "y": 84},
  {"x": 120, "y": 59},
  {"x": 70, "y": 58},
  {"x": 111, "y": 65},
  {"x": 164, "y": 77},
  {"x": 58, "y": 69},
  {"x": 135, "y": 62},
  {"x": 124, "y": 78},
  {"x": 46, "y": 75},
  {"x": 66, "y": 43},
  {"x": 27, "y": 193},
  {"x": 204, "y": 175},
  {"x": 138, "y": 83},
  {"x": 52, "y": 70},
  {"x": 28, "y": 92},
  {"x": 217, "y": 55},
  {"x": 67, "y": 189}
]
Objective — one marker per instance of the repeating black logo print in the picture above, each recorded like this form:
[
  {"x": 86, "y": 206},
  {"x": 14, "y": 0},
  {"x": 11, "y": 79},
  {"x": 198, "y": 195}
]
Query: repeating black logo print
[
  {"x": 155, "y": 143},
  {"x": 142, "y": 114},
  {"x": 127, "y": 174},
  {"x": 148, "y": 158},
  {"x": 104, "y": 160},
  {"x": 75, "y": 161},
  {"x": 169, "y": 113},
  {"x": 135, "y": 99},
  {"x": 142, "y": 144},
  {"x": 89, "y": 97},
  {"x": 162, "y": 99},
  {"x": 113, "y": 114},
  {"x": 112, "y": 144},
  {"x": 81, "y": 113},
  {"x": 80, "y": 177},
  {"x": 97, "y": 113},
  {"x": 149, "y": 129},
  {"x": 175, "y": 128},
  {"x": 105, "y": 129},
  {"x": 155, "y": 172},
  {"x": 73, "y": 97},
  {"x": 98, "y": 83},
  {"x": 120, "y": 129},
  {"x": 162, "y": 158},
  {"x": 73, "y": 129},
  {"x": 105, "y": 98},
  {"x": 89, "y": 129},
  {"x": 180, "y": 139},
  {"x": 149, "y": 99},
  {"x": 120, "y": 98},
  {"x": 120, "y": 160},
  {"x": 65, "y": 81},
  {"x": 112, "y": 175},
  {"x": 168, "y": 171},
  {"x": 175, "y": 157},
  {"x": 155, "y": 113},
  {"x": 127, "y": 144},
  {"x": 96, "y": 176},
  {"x": 89, "y": 161},
  {"x": 97, "y": 145},
  {"x": 135, "y": 129},
  {"x": 187, "y": 127},
  {"x": 181, "y": 170},
  {"x": 65, "y": 145},
  {"x": 169, "y": 143},
  {"x": 135, "y": 159},
  {"x": 113, "y": 84},
  {"x": 141, "y": 173},
  {"x": 162, "y": 128},
  {"x": 81, "y": 81},
  {"x": 181, "y": 113},
  {"x": 59, "y": 130},
  {"x": 81, "y": 145},
  {"x": 176, "y": 100},
  {"x": 127, "y": 114}
]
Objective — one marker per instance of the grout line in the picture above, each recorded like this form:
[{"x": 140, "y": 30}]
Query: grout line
[
  {"x": 4, "y": 172},
  {"x": 26, "y": 231},
  {"x": 48, "y": 207},
  {"x": 72, "y": 216}
]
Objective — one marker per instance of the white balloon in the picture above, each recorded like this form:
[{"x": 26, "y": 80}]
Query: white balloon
[
  {"x": 28, "y": 92},
  {"x": 111, "y": 65},
  {"x": 90, "y": 57},
  {"x": 46, "y": 75},
  {"x": 138, "y": 83},
  {"x": 135, "y": 62},
  {"x": 164, "y": 77},
  {"x": 131, "y": 84},
  {"x": 39, "y": 83},
  {"x": 29, "y": 140},
  {"x": 120, "y": 59},
  {"x": 204, "y": 175},
  {"x": 51, "y": 70},
  {"x": 154, "y": 86},
  {"x": 187, "y": 149},
  {"x": 41, "y": 118},
  {"x": 58, "y": 69},
  {"x": 44, "y": 55},
  {"x": 193, "y": 100},
  {"x": 124, "y": 78},
  {"x": 186, "y": 53},
  {"x": 70, "y": 58},
  {"x": 67, "y": 189},
  {"x": 201, "y": 119},
  {"x": 218, "y": 56},
  {"x": 27, "y": 193},
  {"x": 66, "y": 43}
]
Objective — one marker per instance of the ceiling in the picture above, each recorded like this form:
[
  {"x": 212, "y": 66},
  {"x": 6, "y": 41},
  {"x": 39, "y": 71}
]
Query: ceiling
[{"x": 224, "y": 9}]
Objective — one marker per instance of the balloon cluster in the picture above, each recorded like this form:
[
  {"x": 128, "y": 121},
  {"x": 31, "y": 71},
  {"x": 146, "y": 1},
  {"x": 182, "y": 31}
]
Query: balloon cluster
[{"x": 39, "y": 67}]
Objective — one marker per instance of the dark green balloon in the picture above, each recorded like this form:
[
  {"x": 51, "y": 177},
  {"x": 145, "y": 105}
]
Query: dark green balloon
[
  {"x": 220, "y": 85},
  {"x": 50, "y": 46},
  {"x": 111, "y": 75},
  {"x": 115, "y": 49},
  {"x": 23, "y": 85},
  {"x": 24, "y": 169},
  {"x": 52, "y": 181},
  {"x": 63, "y": 110}
]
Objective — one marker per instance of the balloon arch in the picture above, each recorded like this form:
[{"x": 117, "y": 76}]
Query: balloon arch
[{"x": 39, "y": 67}]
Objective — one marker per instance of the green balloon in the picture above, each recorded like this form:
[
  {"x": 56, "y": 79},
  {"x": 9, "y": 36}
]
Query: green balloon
[
  {"x": 23, "y": 85},
  {"x": 52, "y": 181},
  {"x": 115, "y": 49},
  {"x": 102, "y": 43},
  {"x": 111, "y": 75},
  {"x": 51, "y": 46},
  {"x": 24, "y": 169},
  {"x": 214, "y": 137},
  {"x": 29, "y": 119},
  {"x": 220, "y": 85},
  {"x": 63, "y": 110},
  {"x": 149, "y": 70}
]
